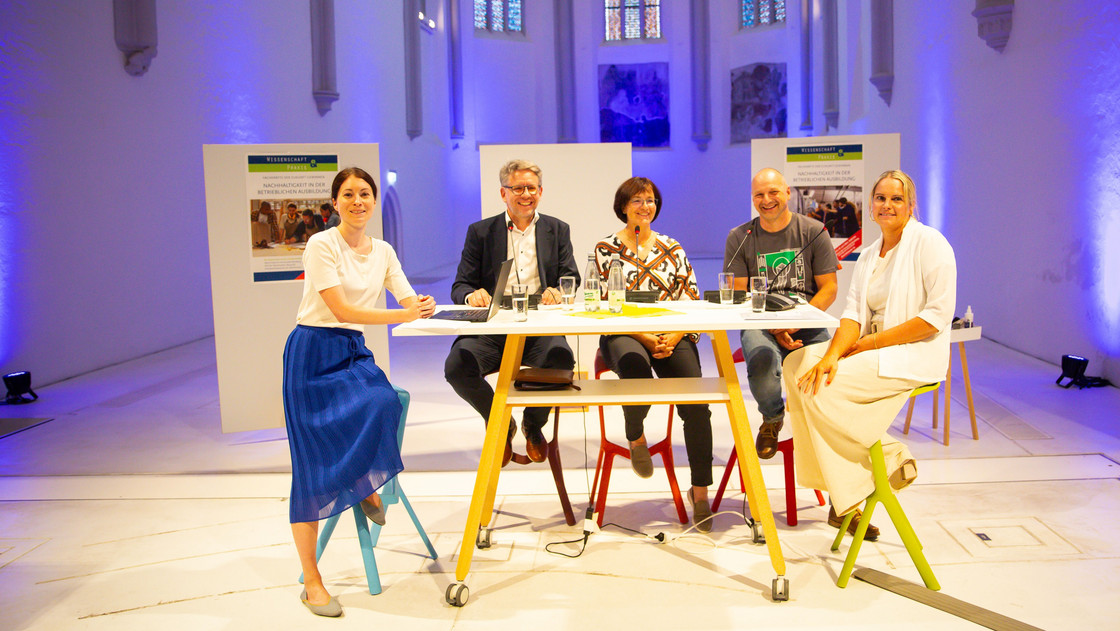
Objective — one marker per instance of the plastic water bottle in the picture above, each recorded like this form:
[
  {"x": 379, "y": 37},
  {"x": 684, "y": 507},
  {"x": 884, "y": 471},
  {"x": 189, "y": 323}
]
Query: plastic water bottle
[
  {"x": 591, "y": 285},
  {"x": 616, "y": 287}
]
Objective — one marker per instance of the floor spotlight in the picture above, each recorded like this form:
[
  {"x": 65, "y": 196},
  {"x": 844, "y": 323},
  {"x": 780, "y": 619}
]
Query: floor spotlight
[
  {"x": 19, "y": 385},
  {"x": 1073, "y": 368}
]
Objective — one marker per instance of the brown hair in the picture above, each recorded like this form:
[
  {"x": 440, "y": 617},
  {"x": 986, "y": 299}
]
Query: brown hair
[
  {"x": 348, "y": 173},
  {"x": 629, "y": 189}
]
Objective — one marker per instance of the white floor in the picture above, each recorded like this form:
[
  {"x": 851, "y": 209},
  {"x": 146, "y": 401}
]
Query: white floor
[{"x": 130, "y": 510}]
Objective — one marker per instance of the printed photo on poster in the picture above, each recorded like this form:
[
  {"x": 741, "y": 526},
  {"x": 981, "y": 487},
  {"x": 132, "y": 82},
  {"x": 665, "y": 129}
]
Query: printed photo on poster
[
  {"x": 634, "y": 104},
  {"x": 826, "y": 183},
  {"x": 288, "y": 201},
  {"x": 758, "y": 102}
]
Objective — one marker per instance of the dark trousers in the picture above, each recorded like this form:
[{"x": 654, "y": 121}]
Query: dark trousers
[
  {"x": 630, "y": 360},
  {"x": 472, "y": 357}
]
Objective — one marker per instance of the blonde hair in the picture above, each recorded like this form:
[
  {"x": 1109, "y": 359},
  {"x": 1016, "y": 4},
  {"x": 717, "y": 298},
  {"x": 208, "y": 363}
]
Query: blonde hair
[{"x": 907, "y": 185}]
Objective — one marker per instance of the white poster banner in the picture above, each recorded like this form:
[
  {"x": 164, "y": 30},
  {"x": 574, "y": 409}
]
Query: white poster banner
[
  {"x": 256, "y": 290},
  {"x": 578, "y": 185},
  {"x": 830, "y": 180},
  {"x": 286, "y": 194}
]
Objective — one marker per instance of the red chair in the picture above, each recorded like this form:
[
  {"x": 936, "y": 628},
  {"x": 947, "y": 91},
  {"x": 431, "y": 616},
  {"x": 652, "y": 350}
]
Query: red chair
[
  {"x": 608, "y": 450},
  {"x": 552, "y": 449},
  {"x": 784, "y": 446}
]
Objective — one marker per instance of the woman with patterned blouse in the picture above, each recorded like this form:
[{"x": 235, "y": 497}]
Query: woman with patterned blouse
[{"x": 652, "y": 261}]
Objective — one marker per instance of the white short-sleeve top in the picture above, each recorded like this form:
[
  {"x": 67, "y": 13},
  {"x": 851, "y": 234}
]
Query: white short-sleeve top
[{"x": 328, "y": 261}]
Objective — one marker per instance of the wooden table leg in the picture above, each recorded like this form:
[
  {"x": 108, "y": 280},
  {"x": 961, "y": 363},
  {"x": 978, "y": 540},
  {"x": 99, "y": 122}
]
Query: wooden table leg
[
  {"x": 968, "y": 391},
  {"x": 749, "y": 466},
  {"x": 490, "y": 462},
  {"x": 948, "y": 393}
]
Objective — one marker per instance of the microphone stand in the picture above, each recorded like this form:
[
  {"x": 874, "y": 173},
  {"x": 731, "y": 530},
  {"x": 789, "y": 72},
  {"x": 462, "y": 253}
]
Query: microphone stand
[{"x": 516, "y": 251}]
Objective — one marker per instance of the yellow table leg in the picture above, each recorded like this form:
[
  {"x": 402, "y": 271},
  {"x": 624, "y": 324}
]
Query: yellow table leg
[
  {"x": 744, "y": 449},
  {"x": 490, "y": 462},
  {"x": 511, "y": 362}
]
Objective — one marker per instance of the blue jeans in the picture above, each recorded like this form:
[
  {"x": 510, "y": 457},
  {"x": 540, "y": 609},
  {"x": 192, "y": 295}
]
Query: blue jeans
[{"x": 764, "y": 356}]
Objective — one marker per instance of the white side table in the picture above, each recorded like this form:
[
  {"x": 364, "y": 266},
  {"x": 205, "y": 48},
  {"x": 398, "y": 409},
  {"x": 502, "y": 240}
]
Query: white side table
[{"x": 958, "y": 337}]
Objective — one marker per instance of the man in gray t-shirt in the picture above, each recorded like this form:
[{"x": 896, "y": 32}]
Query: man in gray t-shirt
[{"x": 761, "y": 247}]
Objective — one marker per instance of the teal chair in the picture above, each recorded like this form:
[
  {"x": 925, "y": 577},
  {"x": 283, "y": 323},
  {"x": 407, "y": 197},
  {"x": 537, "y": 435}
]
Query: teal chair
[
  {"x": 369, "y": 532},
  {"x": 883, "y": 494}
]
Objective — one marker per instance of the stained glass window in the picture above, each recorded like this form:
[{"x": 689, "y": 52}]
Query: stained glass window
[
  {"x": 480, "y": 14},
  {"x": 760, "y": 12},
  {"x": 498, "y": 16},
  {"x": 632, "y": 19}
]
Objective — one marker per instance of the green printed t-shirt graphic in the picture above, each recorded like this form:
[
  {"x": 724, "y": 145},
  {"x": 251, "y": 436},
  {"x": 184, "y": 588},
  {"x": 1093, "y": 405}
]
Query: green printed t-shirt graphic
[{"x": 792, "y": 273}]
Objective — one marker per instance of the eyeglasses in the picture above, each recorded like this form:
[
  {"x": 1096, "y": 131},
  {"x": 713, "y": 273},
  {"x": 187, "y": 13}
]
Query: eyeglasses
[
  {"x": 521, "y": 190},
  {"x": 638, "y": 203}
]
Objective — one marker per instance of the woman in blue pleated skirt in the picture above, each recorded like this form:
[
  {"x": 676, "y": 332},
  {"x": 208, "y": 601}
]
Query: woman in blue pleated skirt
[{"x": 340, "y": 410}]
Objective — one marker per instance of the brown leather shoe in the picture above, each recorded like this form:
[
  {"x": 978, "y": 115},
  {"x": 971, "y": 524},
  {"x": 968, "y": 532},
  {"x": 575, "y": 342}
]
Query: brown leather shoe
[
  {"x": 836, "y": 521},
  {"x": 535, "y": 446},
  {"x": 767, "y": 442}
]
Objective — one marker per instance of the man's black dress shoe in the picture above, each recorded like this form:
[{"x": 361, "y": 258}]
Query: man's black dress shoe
[{"x": 535, "y": 446}]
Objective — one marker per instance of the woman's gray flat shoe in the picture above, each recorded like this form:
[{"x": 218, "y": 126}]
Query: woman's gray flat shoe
[
  {"x": 641, "y": 461},
  {"x": 701, "y": 513},
  {"x": 376, "y": 514},
  {"x": 332, "y": 609}
]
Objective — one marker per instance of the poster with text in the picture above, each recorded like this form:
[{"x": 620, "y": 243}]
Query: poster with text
[
  {"x": 830, "y": 179},
  {"x": 826, "y": 183},
  {"x": 288, "y": 200}
]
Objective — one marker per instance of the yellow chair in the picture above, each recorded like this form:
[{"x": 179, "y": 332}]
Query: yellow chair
[
  {"x": 884, "y": 494},
  {"x": 933, "y": 387}
]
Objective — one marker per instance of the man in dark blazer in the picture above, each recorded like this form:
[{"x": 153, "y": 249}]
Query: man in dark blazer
[{"x": 541, "y": 247}]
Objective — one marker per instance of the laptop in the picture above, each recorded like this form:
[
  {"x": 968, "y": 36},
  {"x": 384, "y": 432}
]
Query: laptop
[{"x": 482, "y": 314}]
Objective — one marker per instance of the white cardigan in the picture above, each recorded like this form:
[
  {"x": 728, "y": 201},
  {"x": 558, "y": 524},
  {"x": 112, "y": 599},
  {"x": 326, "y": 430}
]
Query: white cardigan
[{"x": 923, "y": 283}]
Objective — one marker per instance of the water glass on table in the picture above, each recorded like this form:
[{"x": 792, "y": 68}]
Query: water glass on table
[
  {"x": 726, "y": 288},
  {"x": 568, "y": 292},
  {"x": 758, "y": 293},
  {"x": 520, "y": 295}
]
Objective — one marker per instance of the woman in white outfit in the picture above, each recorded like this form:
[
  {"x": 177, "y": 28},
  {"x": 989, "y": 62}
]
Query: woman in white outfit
[{"x": 893, "y": 337}]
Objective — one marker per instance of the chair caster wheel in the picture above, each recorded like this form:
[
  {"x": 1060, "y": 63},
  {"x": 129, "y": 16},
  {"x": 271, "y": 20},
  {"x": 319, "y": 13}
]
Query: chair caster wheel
[
  {"x": 780, "y": 589},
  {"x": 482, "y": 540},
  {"x": 756, "y": 533},
  {"x": 457, "y": 594}
]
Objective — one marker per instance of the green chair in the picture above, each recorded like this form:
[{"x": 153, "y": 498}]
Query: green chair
[
  {"x": 368, "y": 533},
  {"x": 885, "y": 495}
]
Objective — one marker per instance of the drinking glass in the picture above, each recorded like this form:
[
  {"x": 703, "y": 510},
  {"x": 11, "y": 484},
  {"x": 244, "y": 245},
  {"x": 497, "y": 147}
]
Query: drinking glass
[
  {"x": 568, "y": 292},
  {"x": 520, "y": 295},
  {"x": 726, "y": 288},
  {"x": 758, "y": 293}
]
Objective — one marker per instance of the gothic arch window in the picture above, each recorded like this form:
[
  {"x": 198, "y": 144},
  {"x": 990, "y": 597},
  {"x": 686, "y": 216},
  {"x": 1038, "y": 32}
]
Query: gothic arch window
[
  {"x": 499, "y": 16},
  {"x": 632, "y": 19},
  {"x": 761, "y": 12}
]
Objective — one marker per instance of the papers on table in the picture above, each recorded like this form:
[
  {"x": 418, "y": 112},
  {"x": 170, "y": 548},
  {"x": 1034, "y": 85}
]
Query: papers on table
[{"x": 628, "y": 311}]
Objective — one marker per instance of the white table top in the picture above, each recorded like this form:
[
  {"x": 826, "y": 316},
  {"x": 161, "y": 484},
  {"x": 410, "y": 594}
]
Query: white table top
[
  {"x": 964, "y": 335},
  {"x": 692, "y": 316}
]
